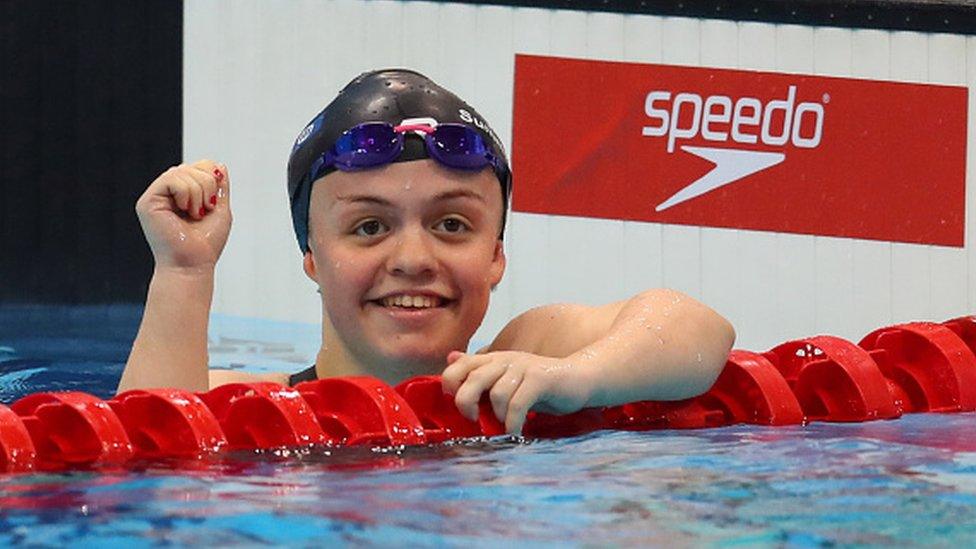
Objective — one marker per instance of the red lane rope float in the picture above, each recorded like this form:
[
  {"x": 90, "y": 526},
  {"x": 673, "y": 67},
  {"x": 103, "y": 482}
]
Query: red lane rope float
[
  {"x": 264, "y": 415},
  {"x": 749, "y": 390},
  {"x": 965, "y": 328},
  {"x": 438, "y": 415},
  {"x": 168, "y": 423},
  {"x": 73, "y": 428},
  {"x": 834, "y": 380},
  {"x": 16, "y": 448},
  {"x": 362, "y": 410},
  {"x": 916, "y": 367},
  {"x": 930, "y": 367}
]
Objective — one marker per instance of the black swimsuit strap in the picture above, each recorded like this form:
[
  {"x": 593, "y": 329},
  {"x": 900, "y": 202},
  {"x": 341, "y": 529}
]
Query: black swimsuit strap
[{"x": 307, "y": 374}]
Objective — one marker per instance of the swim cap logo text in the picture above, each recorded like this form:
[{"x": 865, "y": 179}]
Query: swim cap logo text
[
  {"x": 307, "y": 132},
  {"x": 469, "y": 118}
]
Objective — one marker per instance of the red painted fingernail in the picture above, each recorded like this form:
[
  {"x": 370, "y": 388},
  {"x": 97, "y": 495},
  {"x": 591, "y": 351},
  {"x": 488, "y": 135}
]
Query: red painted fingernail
[
  {"x": 213, "y": 200},
  {"x": 217, "y": 174},
  {"x": 203, "y": 211}
]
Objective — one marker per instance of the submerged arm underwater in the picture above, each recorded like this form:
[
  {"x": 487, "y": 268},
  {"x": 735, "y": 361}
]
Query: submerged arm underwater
[{"x": 658, "y": 345}]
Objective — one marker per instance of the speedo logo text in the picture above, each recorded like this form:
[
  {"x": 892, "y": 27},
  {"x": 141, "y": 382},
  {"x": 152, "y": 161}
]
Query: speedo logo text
[{"x": 746, "y": 121}]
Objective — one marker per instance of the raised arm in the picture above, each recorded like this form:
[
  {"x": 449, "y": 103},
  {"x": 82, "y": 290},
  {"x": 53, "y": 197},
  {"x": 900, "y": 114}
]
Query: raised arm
[
  {"x": 185, "y": 215},
  {"x": 658, "y": 345}
]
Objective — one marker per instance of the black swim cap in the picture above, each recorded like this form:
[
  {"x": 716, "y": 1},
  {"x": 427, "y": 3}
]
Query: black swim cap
[{"x": 388, "y": 95}]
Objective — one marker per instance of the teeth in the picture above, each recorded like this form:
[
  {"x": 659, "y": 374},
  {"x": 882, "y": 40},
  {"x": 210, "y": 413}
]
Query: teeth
[{"x": 415, "y": 301}]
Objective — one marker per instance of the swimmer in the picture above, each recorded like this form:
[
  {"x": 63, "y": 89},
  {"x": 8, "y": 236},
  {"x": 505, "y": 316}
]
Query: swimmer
[{"x": 399, "y": 192}]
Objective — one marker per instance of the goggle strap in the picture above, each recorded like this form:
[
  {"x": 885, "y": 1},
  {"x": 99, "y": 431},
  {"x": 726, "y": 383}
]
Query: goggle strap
[{"x": 425, "y": 128}]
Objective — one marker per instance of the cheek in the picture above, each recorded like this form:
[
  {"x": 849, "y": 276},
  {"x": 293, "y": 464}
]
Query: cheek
[
  {"x": 345, "y": 274},
  {"x": 473, "y": 272}
]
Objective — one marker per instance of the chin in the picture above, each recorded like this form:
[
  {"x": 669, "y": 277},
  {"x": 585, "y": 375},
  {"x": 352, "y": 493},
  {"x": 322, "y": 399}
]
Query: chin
[
  {"x": 421, "y": 351},
  {"x": 420, "y": 359}
]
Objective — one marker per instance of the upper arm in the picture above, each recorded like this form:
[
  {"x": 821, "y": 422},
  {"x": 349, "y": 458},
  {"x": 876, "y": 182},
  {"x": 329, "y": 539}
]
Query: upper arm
[
  {"x": 556, "y": 330},
  {"x": 224, "y": 377}
]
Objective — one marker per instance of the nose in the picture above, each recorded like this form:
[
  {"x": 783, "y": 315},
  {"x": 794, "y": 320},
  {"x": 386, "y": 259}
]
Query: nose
[{"x": 412, "y": 254}]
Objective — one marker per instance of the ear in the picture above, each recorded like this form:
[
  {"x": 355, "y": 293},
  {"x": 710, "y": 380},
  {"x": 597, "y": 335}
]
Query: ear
[
  {"x": 498, "y": 262},
  {"x": 308, "y": 262}
]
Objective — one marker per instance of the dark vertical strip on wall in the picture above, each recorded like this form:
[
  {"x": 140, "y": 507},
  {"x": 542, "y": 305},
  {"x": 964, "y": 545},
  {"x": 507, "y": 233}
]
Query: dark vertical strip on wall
[{"x": 90, "y": 112}]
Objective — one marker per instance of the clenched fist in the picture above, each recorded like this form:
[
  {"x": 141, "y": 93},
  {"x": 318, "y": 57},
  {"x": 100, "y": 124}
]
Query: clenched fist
[{"x": 185, "y": 215}]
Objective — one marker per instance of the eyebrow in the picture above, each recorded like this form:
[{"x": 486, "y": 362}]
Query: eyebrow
[
  {"x": 380, "y": 201},
  {"x": 459, "y": 193},
  {"x": 364, "y": 198}
]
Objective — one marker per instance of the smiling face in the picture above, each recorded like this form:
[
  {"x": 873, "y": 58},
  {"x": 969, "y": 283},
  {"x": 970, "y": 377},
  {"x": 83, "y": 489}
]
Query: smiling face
[{"x": 406, "y": 256}]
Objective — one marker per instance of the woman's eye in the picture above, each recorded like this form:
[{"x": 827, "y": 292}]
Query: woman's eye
[
  {"x": 451, "y": 225},
  {"x": 370, "y": 228}
]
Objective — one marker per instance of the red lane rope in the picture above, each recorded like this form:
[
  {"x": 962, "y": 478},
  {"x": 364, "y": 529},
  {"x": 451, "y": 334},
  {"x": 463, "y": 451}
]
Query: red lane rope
[{"x": 914, "y": 367}]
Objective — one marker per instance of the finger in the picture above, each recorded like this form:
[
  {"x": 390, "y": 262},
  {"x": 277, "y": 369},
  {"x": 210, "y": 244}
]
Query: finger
[
  {"x": 178, "y": 188},
  {"x": 477, "y": 382},
  {"x": 221, "y": 180},
  {"x": 518, "y": 407},
  {"x": 194, "y": 193},
  {"x": 468, "y": 395},
  {"x": 223, "y": 185},
  {"x": 455, "y": 374},
  {"x": 503, "y": 389},
  {"x": 450, "y": 380},
  {"x": 204, "y": 164},
  {"x": 208, "y": 182}
]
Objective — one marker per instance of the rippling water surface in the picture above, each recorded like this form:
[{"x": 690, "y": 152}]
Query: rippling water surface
[{"x": 895, "y": 483}]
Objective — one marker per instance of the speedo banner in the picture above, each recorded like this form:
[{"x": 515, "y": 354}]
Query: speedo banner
[{"x": 740, "y": 149}]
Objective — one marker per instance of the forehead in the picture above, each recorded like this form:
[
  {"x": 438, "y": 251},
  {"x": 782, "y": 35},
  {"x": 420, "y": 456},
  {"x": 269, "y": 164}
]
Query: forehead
[{"x": 406, "y": 184}]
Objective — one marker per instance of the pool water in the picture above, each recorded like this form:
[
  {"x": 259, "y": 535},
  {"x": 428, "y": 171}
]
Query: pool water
[{"x": 911, "y": 481}]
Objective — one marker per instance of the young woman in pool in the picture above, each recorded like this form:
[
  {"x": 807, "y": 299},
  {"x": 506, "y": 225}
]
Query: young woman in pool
[{"x": 399, "y": 192}]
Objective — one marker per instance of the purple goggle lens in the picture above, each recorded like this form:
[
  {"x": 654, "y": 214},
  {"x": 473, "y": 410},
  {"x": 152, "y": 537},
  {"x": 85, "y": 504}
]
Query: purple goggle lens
[{"x": 376, "y": 143}]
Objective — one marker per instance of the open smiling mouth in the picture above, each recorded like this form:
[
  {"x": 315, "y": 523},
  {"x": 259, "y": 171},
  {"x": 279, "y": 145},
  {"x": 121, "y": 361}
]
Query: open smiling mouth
[{"x": 412, "y": 302}]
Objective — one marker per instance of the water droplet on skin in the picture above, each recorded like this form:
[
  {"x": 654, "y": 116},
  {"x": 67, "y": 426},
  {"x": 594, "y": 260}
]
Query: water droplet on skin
[
  {"x": 699, "y": 358},
  {"x": 558, "y": 368},
  {"x": 406, "y": 186}
]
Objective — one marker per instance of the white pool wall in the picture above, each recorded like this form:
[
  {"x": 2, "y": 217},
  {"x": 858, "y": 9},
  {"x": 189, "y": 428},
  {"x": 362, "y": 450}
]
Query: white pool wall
[{"x": 256, "y": 72}]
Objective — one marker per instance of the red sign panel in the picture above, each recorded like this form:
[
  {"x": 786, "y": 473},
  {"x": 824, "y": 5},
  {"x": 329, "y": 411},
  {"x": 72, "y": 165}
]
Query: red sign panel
[{"x": 740, "y": 149}]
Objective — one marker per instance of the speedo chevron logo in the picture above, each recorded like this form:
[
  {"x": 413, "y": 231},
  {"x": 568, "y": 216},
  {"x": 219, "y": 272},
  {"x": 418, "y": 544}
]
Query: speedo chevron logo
[{"x": 746, "y": 121}]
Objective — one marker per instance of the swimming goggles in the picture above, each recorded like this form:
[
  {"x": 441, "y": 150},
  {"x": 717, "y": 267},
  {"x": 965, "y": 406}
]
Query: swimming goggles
[{"x": 373, "y": 144}]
